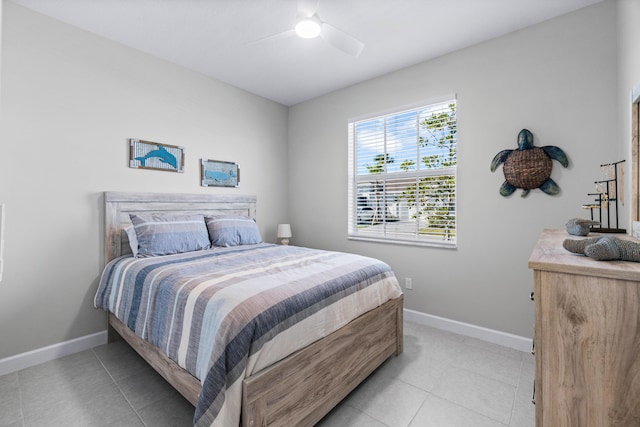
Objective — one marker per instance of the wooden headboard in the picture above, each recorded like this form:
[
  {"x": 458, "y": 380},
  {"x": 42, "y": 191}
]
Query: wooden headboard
[{"x": 118, "y": 206}]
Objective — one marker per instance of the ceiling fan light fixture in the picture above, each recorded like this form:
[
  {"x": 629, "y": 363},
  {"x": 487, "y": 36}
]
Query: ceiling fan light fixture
[{"x": 308, "y": 28}]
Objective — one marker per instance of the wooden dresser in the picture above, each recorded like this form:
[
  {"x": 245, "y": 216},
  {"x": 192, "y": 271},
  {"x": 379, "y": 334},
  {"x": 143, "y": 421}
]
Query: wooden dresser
[{"x": 587, "y": 337}]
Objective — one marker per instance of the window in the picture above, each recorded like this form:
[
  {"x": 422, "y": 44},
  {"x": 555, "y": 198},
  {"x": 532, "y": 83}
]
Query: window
[{"x": 402, "y": 176}]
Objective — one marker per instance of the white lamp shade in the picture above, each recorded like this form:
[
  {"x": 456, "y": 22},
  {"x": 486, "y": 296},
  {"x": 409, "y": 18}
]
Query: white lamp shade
[{"x": 284, "y": 231}]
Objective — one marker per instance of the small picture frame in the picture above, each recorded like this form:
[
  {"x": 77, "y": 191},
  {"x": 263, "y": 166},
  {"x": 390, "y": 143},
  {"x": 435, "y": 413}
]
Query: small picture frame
[
  {"x": 217, "y": 173},
  {"x": 156, "y": 156}
]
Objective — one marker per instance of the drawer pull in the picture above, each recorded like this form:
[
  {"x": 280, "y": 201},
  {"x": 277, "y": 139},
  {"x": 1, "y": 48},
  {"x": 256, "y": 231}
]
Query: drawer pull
[{"x": 531, "y": 296}]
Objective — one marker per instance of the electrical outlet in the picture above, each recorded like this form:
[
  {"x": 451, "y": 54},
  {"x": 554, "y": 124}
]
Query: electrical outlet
[{"x": 408, "y": 283}]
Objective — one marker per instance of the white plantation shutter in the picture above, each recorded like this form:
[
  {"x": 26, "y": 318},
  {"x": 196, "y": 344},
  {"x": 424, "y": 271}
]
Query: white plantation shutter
[{"x": 402, "y": 176}]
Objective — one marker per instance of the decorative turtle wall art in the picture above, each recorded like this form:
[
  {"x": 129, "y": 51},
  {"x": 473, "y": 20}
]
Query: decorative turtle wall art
[{"x": 528, "y": 167}]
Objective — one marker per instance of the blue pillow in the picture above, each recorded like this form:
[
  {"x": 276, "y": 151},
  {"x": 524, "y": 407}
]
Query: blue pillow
[
  {"x": 160, "y": 234},
  {"x": 232, "y": 230}
]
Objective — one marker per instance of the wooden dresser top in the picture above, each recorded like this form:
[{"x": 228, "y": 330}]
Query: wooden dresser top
[{"x": 549, "y": 255}]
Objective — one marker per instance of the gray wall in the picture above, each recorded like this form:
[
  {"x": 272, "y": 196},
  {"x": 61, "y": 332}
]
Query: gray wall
[
  {"x": 557, "y": 79},
  {"x": 628, "y": 16},
  {"x": 70, "y": 101}
]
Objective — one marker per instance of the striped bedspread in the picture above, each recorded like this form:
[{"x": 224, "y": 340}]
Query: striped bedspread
[{"x": 223, "y": 314}]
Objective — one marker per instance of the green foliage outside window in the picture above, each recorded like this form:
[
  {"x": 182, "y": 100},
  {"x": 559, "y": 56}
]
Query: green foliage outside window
[{"x": 434, "y": 196}]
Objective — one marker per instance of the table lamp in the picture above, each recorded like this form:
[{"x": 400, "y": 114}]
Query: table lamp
[{"x": 284, "y": 233}]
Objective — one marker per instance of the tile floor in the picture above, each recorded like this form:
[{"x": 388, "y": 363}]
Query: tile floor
[{"x": 440, "y": 380}]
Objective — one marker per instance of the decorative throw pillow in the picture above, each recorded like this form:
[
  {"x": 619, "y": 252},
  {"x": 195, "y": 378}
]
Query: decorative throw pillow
[
  {"x": 232, "y": 230},
  {"x": 169, "y": 234}
]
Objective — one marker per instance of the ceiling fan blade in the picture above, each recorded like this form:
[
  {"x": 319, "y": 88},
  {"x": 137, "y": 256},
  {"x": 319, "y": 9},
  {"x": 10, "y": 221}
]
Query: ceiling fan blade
[
  {"x": 341, "y": 40},
  {"x": 273, "y": 37},
  {"x": 307, "y": 8}
]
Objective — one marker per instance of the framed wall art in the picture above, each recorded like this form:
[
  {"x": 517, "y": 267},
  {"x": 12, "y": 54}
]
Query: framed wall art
[
  {"x": 153, "y": 155},
  {"x": 216, "y": 173}
]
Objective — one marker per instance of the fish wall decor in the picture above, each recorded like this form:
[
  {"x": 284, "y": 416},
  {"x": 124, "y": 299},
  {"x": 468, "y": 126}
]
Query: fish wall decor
[
  {"x": 153, "y": 155},
  {"x": 218, "y": 173}
]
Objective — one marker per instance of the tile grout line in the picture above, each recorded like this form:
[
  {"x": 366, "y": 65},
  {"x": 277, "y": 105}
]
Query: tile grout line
[
  {"x": 488, "y": 378},
  {"x": 429, "y": 394},
  {"x": 432, "y": 394},
  {"x": 367, "y": 414},
  {"x": 515, "y": 394},
  {"x": 20, "y": 398},
  {"x": 451, "y": 364},
  {"x": 474, "y": 411},
  {"x": 119, "y": 389}
]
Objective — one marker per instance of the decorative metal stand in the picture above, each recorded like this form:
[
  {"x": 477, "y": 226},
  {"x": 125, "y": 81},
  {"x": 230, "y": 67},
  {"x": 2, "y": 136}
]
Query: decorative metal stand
[{"x": 607, "y": 196}]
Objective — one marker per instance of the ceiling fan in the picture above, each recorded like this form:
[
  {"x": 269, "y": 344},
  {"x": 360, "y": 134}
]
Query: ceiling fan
[{"x": 309, "y": 25}]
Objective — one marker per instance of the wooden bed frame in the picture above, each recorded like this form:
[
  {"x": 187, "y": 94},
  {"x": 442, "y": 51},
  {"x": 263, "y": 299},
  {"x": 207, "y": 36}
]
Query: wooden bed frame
[{"x": 298, "y": 390}]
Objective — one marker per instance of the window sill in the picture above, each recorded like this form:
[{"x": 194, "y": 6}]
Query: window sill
[{"x": 423, "y": 243}]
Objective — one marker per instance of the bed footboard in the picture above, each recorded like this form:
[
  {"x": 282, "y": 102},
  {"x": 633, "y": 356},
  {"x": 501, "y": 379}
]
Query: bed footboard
[{"x": 305, "y": 386}]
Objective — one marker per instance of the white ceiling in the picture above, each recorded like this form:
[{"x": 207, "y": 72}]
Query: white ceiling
[{"x": 216, "y": 37}]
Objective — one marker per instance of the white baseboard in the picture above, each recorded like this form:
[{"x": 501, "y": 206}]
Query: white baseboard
[
  {"x": 491, "y": 335},
  {"x": 55, "y": 351}
]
